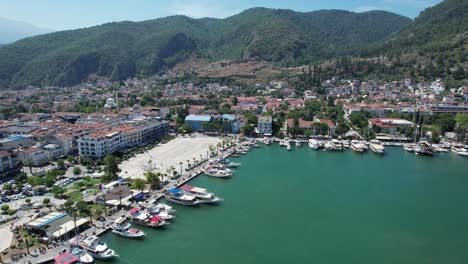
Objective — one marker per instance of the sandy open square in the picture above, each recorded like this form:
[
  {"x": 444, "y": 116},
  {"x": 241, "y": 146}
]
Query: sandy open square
[{"x": 163, "y": 156}]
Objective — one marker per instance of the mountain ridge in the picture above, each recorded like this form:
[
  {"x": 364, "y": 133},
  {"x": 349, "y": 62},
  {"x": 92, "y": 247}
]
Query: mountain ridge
[{"x": 122, "y": 49}]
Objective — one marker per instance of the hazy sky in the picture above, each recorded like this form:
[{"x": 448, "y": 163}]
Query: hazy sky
[{"x": 70, "y": 14}]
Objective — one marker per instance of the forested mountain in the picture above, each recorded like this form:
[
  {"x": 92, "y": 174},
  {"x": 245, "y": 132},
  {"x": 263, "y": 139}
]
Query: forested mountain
[
  {"x": 434, "y": 44},
  {"x": 124, "y": 49}
]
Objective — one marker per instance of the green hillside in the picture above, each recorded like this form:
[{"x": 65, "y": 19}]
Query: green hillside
[{"x": 120, "y": 50}]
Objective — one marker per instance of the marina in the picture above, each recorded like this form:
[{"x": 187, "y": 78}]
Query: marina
[{"x": 381, "y": 200}]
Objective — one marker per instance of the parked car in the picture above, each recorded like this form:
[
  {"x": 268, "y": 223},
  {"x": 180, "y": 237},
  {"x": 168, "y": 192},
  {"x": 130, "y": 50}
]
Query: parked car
[{"x": 5, "y": 199}]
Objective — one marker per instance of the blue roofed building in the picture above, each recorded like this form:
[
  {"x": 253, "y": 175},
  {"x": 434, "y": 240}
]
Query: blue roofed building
[{"x": 196, "y": 122}]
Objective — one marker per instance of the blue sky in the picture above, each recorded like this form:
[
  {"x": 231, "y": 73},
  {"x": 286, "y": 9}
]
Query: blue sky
[{"x": 70, "y": 14}]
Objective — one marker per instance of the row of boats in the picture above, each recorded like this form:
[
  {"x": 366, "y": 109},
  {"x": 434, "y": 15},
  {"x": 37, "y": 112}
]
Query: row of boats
[
  {"x": 221, "y": 168},
  {"x": 425, "y": 148},
  {"x": 422, "y": 148},
  {"x": 356, "y": 145},
  {"x": 157, "y": 216}
]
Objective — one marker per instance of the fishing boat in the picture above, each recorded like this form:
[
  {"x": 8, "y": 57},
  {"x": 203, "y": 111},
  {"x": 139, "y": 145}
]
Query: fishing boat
[
  {"x": 357, "y": 146},
  {"x": 123, "y": 228},
  {"x": 377, "y": 147},
  {"x": 267, "y": 141},
  {"x": 178, "y": 197},
  {"x": 288, "y": 146},
  {"x": 409, "y": 147},
  {"x": 146, "y": 219},
  {"x": 336, "y": 144},
  {"x": 423, "y": 149},
  {"x": 460, "y": 150},
  {"x": 83, "y": 257},
  {"x": 97, "y": 248},
  {"x": 202, "y": 195}
]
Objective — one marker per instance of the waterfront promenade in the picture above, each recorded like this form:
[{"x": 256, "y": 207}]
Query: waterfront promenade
[{"x": 169, "y": 155}]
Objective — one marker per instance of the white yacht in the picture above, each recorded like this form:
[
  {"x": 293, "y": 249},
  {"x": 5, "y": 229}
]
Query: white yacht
[
  {"x": 336, "y": 144},
  {"x": 123, "y": 228},
  {"x": 288, "y": 146},
  {"x": 357, "y": 146},
  {"x": 314, "y": 144},
  {"x": 202, "y": 195},
  {"x": 377, "y": 147},
  {"x": 97, "y": 248},
  {"x": 460, "y": 150}
]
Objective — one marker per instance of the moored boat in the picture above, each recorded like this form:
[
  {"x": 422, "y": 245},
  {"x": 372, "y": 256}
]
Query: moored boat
[
  {"x": 377, "y": 147},
  {"x": 314, "y": 144},
  {"x": 423, "y": 149},
  {"x": 409, "y": 147},
  {"x": 218, "y": 172},
  {"x": 97, "y": 248},
  {"x": 298, "y": 143},
  {"x": 162, "y": 207},
  {"x": 202, "y": 195},
  {"x": 146, "y": 219},
  {"x": 357, "y": 146},
  {"x": 336, "y": 144},
  {"x": 346, "y": 144},
  {"x": 83, "y": 257},
  {"x": 178, "y": 197},
  {"x": 123, "y": 228},
  {"x": 460, "y": 150}
]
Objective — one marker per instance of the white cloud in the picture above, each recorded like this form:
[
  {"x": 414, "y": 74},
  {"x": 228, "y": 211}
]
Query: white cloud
[{"x": 202, "y": 8}]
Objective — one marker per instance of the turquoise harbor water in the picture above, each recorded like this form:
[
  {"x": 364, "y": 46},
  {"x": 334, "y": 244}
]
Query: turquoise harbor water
[{"x": 306, "y": 206}]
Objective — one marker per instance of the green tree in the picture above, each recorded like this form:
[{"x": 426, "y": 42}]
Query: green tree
[
  {"x": 58, "y": 191},
  {"x": 5, "y": 208},
  {"x": 46, "y": 202},
  {"x": 462, "y": 121},
  {"x": 49, "y": 180},
  {"x": 28, "y": 200},
  {"x": 153, "y": 178},
  {"x": 247, "y": 129},
  {"x": 76, "y": 170},
  {"x": 111, "y": 166},
  {"x": 61, "y": 164},
  {"x": 34, "y": 180},
  {"x": 22, "y": 177},
  {"x": 138, "y": 184},
  {"x": 7, "y": 187}
]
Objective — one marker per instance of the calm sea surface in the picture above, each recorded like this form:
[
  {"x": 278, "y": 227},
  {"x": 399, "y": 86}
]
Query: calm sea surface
[{"x": 306, "y": 206}]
